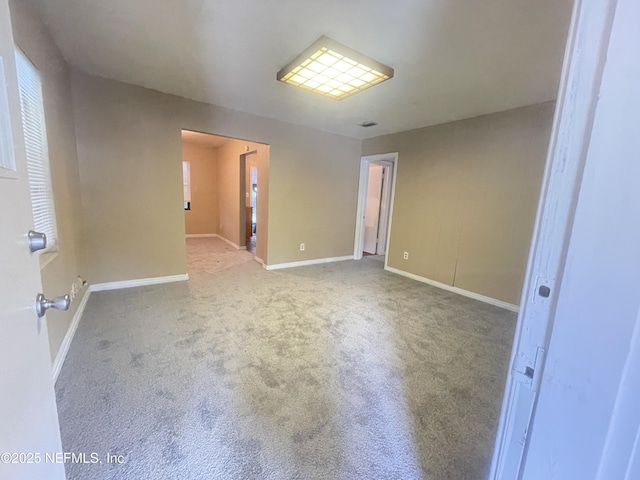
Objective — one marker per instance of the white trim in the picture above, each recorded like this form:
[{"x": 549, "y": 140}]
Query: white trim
[
  {"x": 68, "y": 337},
  {"x": 259, "y": 260},
  {"x": 303, "y": 263},
  {"x": 459, "y": 291},
  {"x": 226, "y": 240},
  {"x": 365, "y": 161},
  {"x": 98, "y": 287},
  {"x": 215, "y": 235},
  {"x": 388, "y": 172}
]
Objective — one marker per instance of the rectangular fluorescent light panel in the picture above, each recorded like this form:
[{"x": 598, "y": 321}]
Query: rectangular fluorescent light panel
[{"x": 334, "y": 70}]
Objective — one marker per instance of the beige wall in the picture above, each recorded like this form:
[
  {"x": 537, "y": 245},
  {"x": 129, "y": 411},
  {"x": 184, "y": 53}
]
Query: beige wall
[
  {"x": 229, "y": 191},
  {"x": 232, "y": 198},
  {"x": 57, "y": 276},
  {"x": 131, "y": 181},
  {"x": 466, "y": 197},
  {"x": 314, "y": 185},
  {"x": 130, "y": 137},
  {"x": 203, "y": 216}
]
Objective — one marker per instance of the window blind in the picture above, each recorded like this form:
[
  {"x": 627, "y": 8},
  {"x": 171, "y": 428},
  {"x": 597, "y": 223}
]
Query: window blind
[{"x": 35, "y": 139}]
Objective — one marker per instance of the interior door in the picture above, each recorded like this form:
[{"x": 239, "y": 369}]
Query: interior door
[
  {"x": 385, "y": 207},
  {"x": 372, "y": 209},
  {"x": 29, "y": 431}
]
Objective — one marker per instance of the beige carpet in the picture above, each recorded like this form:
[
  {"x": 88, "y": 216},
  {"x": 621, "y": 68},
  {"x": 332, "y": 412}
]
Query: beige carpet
[{"x": 334, "y": 371}]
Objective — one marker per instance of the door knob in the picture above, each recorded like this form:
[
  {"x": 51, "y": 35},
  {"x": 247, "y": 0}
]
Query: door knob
[
  {"x": 37, "y": 241},
  {"x": 58, "y": 303}
]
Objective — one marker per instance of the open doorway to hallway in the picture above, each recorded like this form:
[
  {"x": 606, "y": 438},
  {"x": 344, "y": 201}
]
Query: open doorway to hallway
[
  {"x": 375, "y": 204},
  {"x": 221, "y": 180}
]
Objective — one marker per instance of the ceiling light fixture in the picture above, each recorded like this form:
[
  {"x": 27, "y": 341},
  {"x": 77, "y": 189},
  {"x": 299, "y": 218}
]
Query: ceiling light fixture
[{"x": 333, "y": 70}]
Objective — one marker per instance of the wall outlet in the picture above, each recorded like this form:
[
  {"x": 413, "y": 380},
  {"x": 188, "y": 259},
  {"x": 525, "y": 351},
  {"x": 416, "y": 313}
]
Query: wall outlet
[
  {"x": 405, "y": 255},
  {"x": 302, "y": 247}
]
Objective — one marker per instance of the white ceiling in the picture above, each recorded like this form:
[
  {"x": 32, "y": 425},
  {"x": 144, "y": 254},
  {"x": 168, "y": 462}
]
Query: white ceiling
[
  {"x": 453, "y": 59},
  {"x": 203, "y": 139}
]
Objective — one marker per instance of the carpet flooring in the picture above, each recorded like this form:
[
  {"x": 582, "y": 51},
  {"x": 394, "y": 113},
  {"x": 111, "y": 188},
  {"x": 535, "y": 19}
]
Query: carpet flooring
[{"x": 333, "y": 371}]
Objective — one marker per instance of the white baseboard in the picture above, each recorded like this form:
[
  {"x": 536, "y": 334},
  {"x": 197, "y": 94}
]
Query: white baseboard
[
  {"x": 68, "y": 337},
  {"x": 459, "y": 291},
  {"x": 226, "y": 240},
  {"x": 215, "y": 235},
  {"x": 98, "y": 287},
  {"x": 259, "y": 260},
  {"x": 303, "y": 263}
]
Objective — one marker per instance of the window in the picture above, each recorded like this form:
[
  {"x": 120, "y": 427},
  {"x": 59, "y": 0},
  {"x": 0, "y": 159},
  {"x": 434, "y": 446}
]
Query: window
[
  {"x": 7, "y": 159},
  {"x": 35, "y": 140},
  {"x": 186, "y": 184}
]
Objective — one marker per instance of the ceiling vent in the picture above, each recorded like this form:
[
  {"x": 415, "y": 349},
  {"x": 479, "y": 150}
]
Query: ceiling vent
[{"x": 368, "y": 123}]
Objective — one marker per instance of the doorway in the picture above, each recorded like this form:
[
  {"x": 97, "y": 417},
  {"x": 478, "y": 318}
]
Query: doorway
[
  {"x": 251, "y": 200},
  {"x": 375, "y": 205},
  {"x": 221, "y": 180}
]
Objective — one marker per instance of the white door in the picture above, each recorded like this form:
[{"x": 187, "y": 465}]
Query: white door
[
  {"x": 28, "y": 418},
  {"x": 372, "y": 209},
  {"x": 585, "y": 51},
  {"x": 587, "y": 417},
  {"x": 385, "y": 208}
]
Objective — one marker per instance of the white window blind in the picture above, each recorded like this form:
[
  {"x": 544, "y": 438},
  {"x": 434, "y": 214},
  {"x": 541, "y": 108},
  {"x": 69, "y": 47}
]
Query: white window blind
[
  {"x": 186, "y": 181},
  {"x": 35, "y": 139}
]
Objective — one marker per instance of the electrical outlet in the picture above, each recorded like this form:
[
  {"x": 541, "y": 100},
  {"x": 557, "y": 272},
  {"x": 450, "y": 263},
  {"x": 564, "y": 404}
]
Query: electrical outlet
[
  {"x": 406, "y": 255},
  {"x": 302, "y": 247}
]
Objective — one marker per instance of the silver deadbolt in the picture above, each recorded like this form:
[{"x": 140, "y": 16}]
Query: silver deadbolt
[
  {"x": 37, "y": 241},
  {"x": 58, "y": 303}
]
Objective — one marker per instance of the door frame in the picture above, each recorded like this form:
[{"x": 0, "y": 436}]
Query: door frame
[
  {"x": 385, "y": 206},
  {"x": 253, "y": 168},
  {"x": 389, "y": 159},
  {"x": 243, "y": 198},
  {"x": 585, "y": 56}
]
